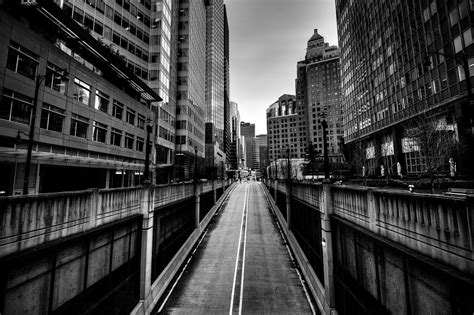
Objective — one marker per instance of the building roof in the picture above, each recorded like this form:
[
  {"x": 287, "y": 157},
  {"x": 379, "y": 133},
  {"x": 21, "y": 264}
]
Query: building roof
[{"x": 315, "y": 36}]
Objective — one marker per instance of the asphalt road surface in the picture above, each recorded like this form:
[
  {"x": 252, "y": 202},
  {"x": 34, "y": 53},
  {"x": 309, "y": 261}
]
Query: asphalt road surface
[{"x": 241, "y": 266}]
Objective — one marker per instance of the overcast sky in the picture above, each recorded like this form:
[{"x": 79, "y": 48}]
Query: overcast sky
[{"x": 267, "y": 39}]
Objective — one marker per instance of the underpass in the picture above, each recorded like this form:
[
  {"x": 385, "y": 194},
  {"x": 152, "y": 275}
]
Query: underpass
[{"x": 242, "y": 264}]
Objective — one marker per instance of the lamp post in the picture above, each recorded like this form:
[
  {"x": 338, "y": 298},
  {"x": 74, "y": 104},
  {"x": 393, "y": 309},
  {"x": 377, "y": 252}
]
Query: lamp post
[
  {"x": 288, "y": 164},
  {"x": 195, "y": 163},
  {"x": 325, "y": 145},
  {"x": 38, "y": 80},
  {"x": 149, "y": 126}
]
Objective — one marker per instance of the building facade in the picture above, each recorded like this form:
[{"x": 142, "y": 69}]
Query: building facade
[
  {"x": 247, "y": 131},
  {"x": 191, "y": 105},
  {"x": 318, "y": 95},
  {"x": 139, "y": 32},
  {"x": 215, "y": 70},
  {"x": 234, "y": 156},
  {"x": 411, "y": 64},
  {"x": 260, "y": 153},
  {"x": 82, "y": 110},
  {"x": 282, "y": 129}
]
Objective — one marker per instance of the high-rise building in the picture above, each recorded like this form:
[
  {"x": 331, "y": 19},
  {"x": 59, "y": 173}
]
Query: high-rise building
[
  {"x": 282, "y": 129},
  {"x": 227, "y": 103},
  {"x": 260, "y": 153},
  {"x": 234, "y": 156},
  {"x": 247, "y": 131},
  {"x": 140, "y": 33},
  {"x": 191, "y": 105},
  {"x": 409, "y": 65},
  {"x": 215, "y": 71},
  {"x": 318, "y": 95},
  {"x": 72, "y": 107}
]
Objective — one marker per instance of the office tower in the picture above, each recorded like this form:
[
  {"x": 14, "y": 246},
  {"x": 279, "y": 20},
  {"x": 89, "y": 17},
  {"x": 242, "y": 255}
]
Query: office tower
[
  {"x": 191, "y": 105},
  {"x": 282, "y": 129},
  {"x": 80, "y": 108},
  {"x": 234, "y": 155},
  {"x": 408, "y": 66},
  {"x": 215, "y": 72},
  {"x": 227, "y": 103},
  {"x": 140, "y": 33},
  {"x": 260, "y": 153},
  {"x": 318, "y": 95},
  {"x": 247, "y": 130}
]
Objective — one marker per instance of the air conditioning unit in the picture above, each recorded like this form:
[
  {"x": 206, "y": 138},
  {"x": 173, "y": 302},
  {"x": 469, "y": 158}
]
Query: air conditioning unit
[{"x": 28, "y": 3}]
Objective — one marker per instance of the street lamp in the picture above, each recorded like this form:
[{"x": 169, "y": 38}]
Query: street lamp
[
  {"x": 149, "y": 126},
  {"x": 38, "y": 80},
  {"x": 288, "y": 165},
  {"x": 325, "y": 145},
  {"x": 195, "y": 163}
]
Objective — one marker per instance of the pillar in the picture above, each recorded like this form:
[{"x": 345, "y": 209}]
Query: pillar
[
  {"x": 288, "y": 204},
  {"x": 146, "y": 242},
  {"x": 197, "y": 196},
  {"x": 326, "y": 207}
]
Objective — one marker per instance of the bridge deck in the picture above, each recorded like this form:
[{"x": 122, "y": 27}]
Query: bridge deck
[{"x": 242, "y": 264}]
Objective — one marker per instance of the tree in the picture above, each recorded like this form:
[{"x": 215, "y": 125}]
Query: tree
[
  {"x": 358, "y": 158},
  {"x": 312, "y": 165},
  {"x": 435, "y": 140}
]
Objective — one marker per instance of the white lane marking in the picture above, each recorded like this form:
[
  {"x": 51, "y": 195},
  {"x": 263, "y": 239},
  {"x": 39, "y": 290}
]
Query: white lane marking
[
  {"x": 292, "y": 258},
  {"x": 238, "y": 254},
  {"x": 241, "y": 297},
  {"x": 201, "y": 238}
]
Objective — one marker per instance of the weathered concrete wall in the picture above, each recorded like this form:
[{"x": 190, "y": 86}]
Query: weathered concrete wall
[
  {"x": 100, "y": 265},
  {"x": 75, "y": 249},
  {"x": 29, "y": 221},
  {"x": 386, "y": 251}
]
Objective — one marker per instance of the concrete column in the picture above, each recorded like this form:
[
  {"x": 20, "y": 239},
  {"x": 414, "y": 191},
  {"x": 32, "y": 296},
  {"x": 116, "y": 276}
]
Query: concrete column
[
  {"x": 288, "y": 204},
  {"x": 146, "y": 242},
  {"x": 371, "y": 210},
  {"x": 326, "y": 207},
  {"x": 93, "y": 206},
  {"x": 107, "y": 178},
  {"x": 214, "y": 191},
  {"x": 197, "y": 195},
  {"x": 37, "y": 181}
]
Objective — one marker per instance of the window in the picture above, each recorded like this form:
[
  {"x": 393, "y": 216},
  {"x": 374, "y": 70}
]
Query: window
[
  {"x": 129, "y": 139},
  {"x": 52, "y": 118},
  {"x": 116, "y": 137},
  {"x": 101, "y": 101},
  {"x": 16, "y": 107},
  {"x": 130, "y": 116},
  {"x": 140, "y": 144},
  {"x": 82, "y": 91},
  {"x": 467, "y": 37},
  {"x": 79, "y": 126},
  {"x": 457, "y": 44},
  {"x": 55, "y": 78},
  {"x": 453, "y": 17},
  {"x": 22, "y": 60},
  {"x": 99, "y": 132},
  {"x": 141, "y": 122},
  {"x": 117, "y": 110}
]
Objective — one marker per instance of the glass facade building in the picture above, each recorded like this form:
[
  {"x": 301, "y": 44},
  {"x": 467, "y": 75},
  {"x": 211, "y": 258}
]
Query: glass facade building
[
  {"x": 402, "y": 60},
  {"x": 215, "y": 70}
]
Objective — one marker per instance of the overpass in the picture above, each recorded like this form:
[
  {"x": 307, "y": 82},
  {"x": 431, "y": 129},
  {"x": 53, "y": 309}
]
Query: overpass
[{"x": 117, "y": 251}]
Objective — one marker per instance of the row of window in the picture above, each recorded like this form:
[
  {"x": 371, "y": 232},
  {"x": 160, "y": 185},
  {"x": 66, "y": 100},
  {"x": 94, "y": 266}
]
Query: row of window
[
  {"x": 25, "y": 62},
  {"x": 102, "y": 102},
  {"x": 17, "y": 107}
]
